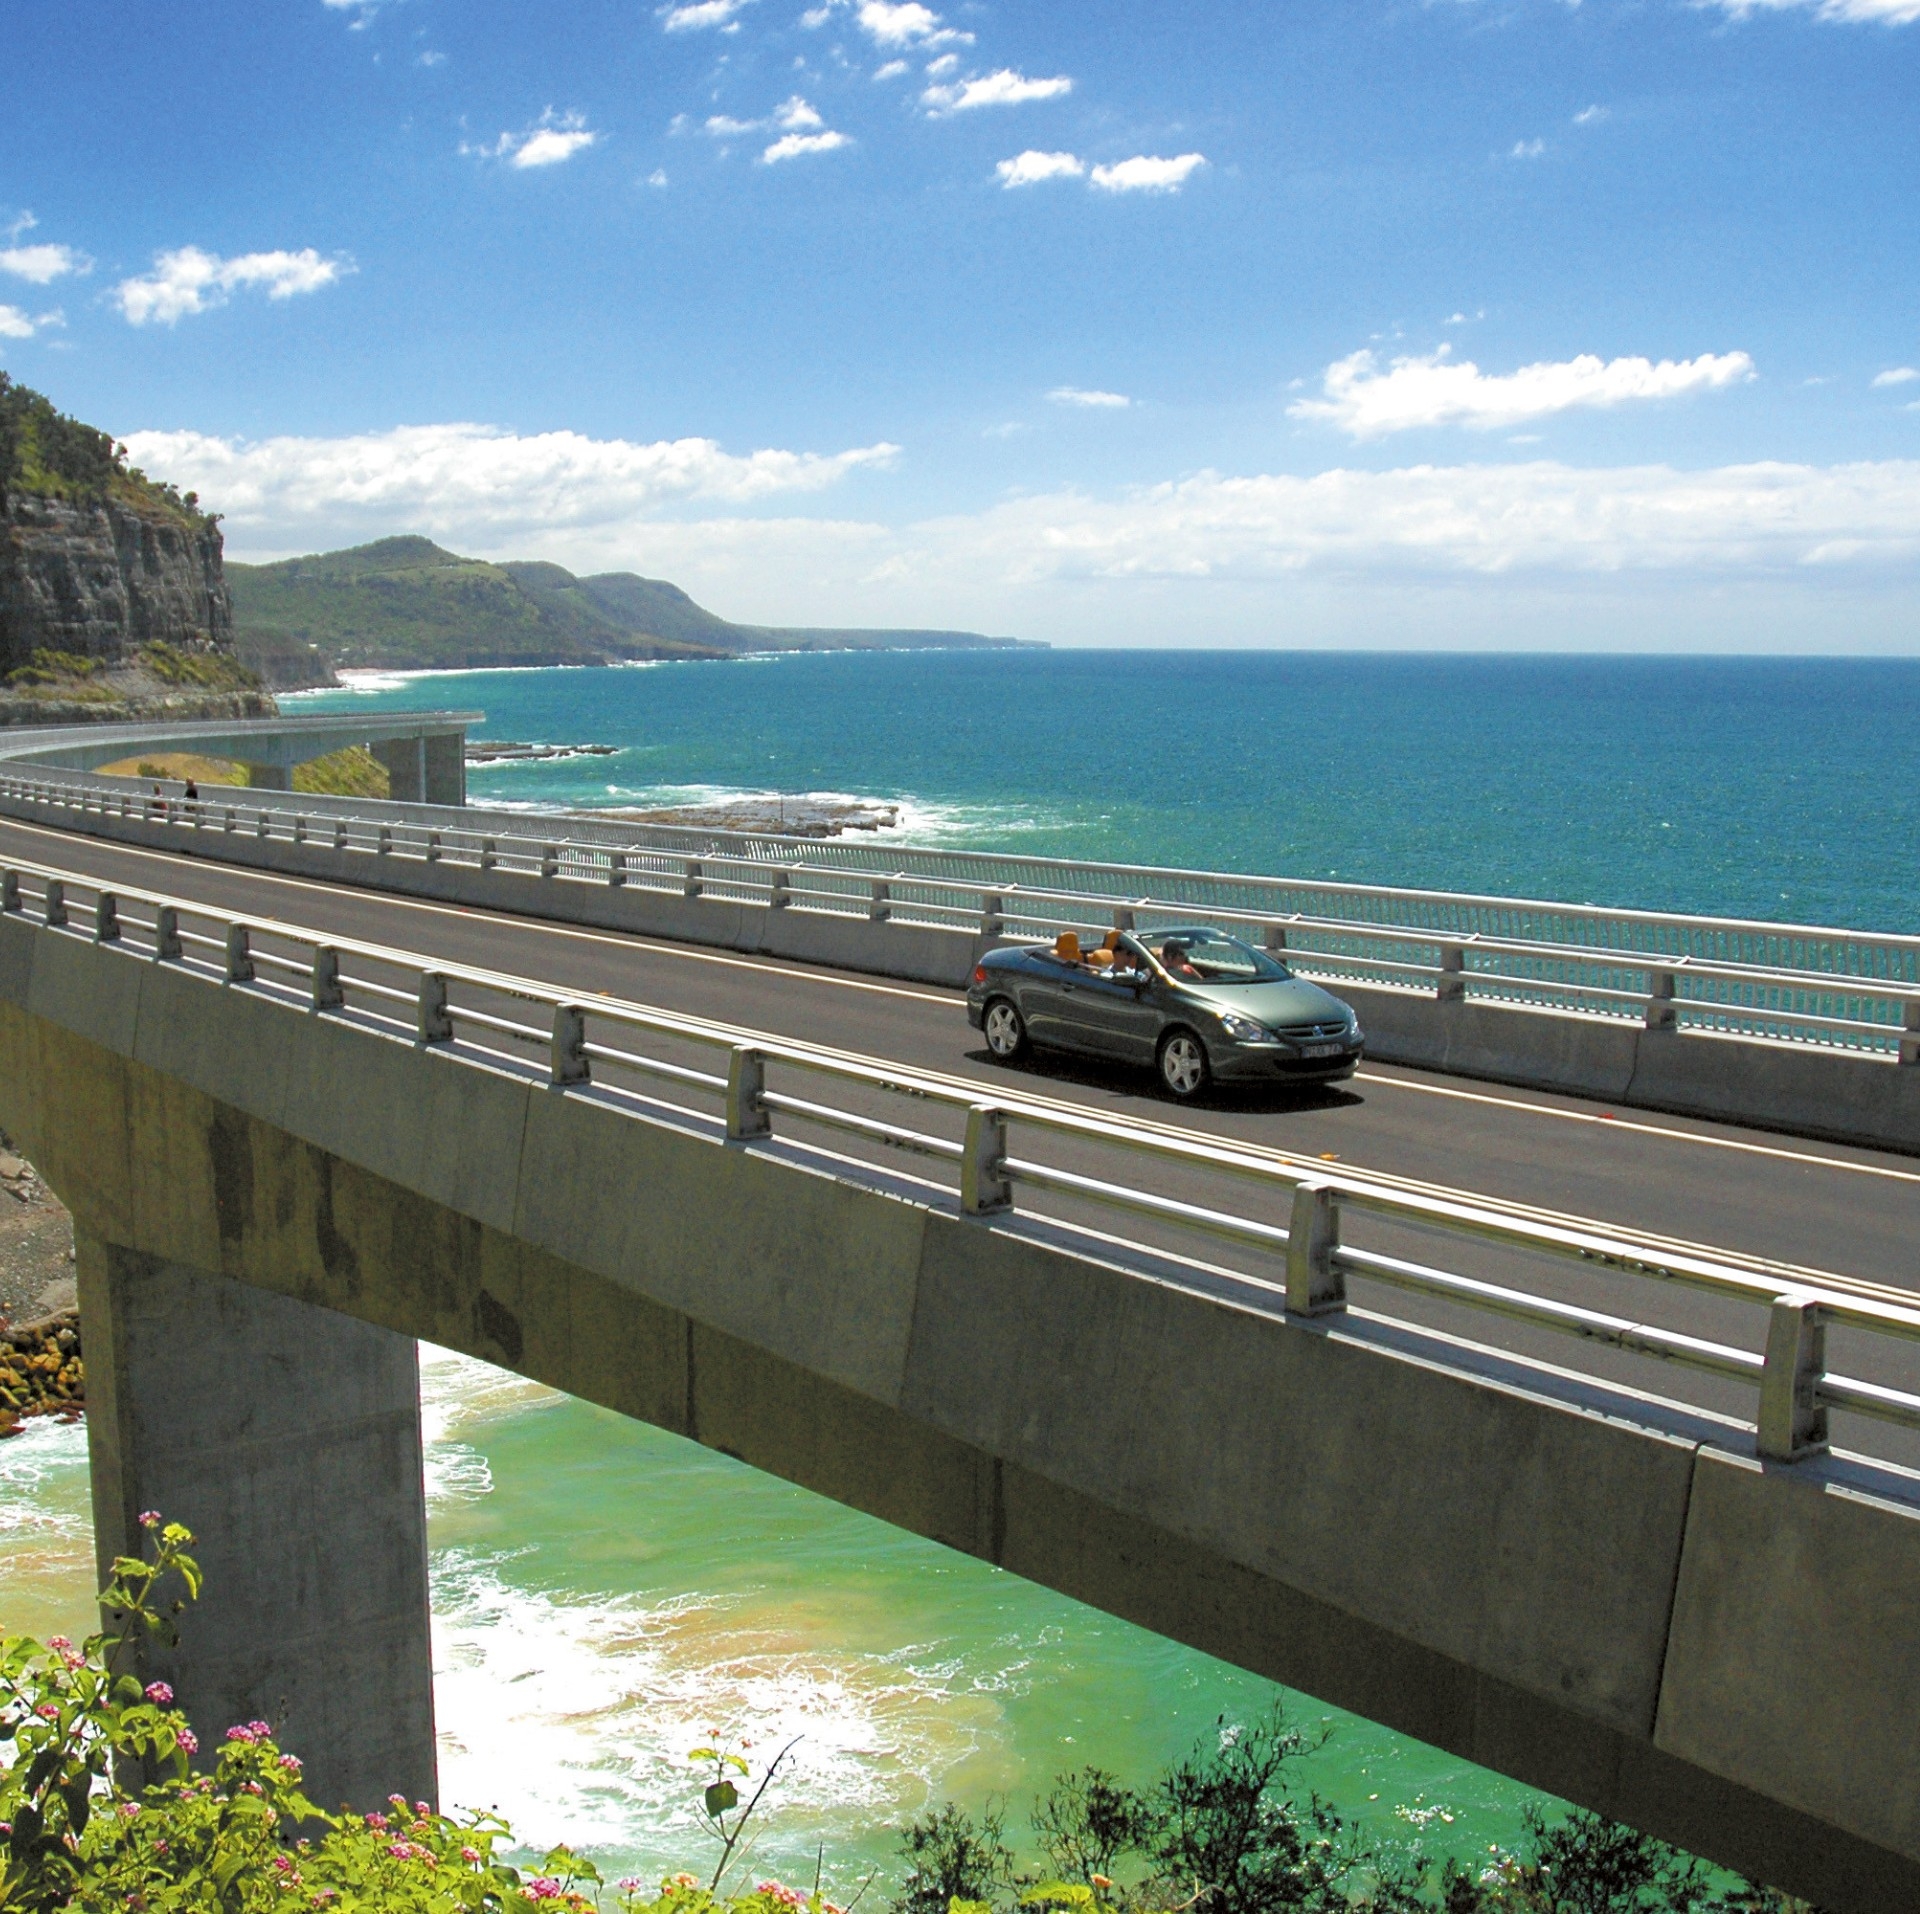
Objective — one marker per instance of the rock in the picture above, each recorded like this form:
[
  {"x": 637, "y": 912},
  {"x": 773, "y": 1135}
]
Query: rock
[{"x": 11, "y": 1166}]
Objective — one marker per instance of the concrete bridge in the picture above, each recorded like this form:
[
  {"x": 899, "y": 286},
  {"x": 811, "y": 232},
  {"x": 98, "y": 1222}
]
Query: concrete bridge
[
  {"x": 1203, "y": 1379},
  {"x": 423, "y": 752}
]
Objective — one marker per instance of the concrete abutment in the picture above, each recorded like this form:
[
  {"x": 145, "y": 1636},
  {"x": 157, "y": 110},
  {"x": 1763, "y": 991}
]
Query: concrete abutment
[{"x": 287, "y": 1438}]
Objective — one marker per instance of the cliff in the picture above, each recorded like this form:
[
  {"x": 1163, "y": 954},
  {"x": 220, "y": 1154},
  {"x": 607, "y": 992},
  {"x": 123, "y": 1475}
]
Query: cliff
[{"x": 113, "y": 598}]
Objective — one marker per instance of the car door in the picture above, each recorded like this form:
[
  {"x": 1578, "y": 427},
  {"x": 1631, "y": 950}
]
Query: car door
[
  {"x": 1047, "y": 991},
  {"x": 1116, "y": 1016}
]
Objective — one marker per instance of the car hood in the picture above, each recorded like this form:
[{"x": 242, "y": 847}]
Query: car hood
[{"x": 1293, "y": 1000}]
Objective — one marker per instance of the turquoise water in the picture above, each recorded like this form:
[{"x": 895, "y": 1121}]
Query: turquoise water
[
  {"x": 1754, "y": 787},
  {"x": 605, "y": 1594}
]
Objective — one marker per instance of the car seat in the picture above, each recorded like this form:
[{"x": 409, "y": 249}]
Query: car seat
[{"x": 1066, "y": 947}]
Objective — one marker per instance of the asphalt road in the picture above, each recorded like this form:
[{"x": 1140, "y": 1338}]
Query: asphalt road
[{"x": 1813, "y": 1206}]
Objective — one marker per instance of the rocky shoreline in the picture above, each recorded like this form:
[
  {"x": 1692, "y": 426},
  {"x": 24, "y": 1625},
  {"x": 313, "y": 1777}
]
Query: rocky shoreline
[{"x": 768, "y": 816}]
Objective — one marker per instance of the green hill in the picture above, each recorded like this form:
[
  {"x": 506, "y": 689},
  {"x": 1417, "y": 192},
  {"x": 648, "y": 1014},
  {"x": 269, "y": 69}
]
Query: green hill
[{"x": 406, "y": 604}]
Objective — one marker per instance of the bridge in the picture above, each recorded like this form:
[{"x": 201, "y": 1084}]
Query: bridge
[{"x": 1574, "y": 1438}]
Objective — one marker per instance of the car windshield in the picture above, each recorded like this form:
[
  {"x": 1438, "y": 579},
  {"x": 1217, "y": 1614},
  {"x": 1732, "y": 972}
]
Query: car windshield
[{"x": 1212, "y": 957}]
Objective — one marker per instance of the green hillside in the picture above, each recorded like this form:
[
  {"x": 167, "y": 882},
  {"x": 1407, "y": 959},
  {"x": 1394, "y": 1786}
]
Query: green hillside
[{"x": 406, "y": 604}]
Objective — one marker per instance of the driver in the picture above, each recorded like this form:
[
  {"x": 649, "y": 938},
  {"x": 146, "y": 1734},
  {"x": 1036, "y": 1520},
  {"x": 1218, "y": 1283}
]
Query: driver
[{"x": 1174, "y": 959}]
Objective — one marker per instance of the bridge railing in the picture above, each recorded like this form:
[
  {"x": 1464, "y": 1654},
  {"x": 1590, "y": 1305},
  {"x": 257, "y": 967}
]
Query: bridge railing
[
  {"x": 1104, "y": 1181},
  {"x": 1829, "y": 990}
]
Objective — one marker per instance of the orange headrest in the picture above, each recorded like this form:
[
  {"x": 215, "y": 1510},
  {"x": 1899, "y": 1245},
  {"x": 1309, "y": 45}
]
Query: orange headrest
[{"x": 1067, "y": 947}]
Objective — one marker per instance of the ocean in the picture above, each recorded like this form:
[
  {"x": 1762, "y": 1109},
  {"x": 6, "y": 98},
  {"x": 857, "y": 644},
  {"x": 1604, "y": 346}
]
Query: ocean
[{"x": 606, "y": 1595}]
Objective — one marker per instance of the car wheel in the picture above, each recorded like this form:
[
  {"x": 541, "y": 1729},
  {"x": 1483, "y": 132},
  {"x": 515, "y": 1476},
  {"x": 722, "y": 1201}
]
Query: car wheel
[
  {"x": 1183, "y": 1064},
  {"x": 1006, "y": 1030}
]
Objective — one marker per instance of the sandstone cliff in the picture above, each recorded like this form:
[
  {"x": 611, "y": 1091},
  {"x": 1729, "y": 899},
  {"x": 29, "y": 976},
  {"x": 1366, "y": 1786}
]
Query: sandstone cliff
[{"x": 113, "y": 600}]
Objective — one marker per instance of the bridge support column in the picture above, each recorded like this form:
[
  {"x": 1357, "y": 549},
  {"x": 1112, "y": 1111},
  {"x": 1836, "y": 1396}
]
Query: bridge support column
[
  {"x": 288, "y": 1439},
  {"x": 269, "y": 777},
  {"x": 445, "y": 768},
  {"x": 405, "y": 762}
]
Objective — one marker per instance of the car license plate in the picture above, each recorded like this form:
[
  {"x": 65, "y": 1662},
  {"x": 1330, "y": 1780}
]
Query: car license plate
[{"x": 1321, "y": 1049}]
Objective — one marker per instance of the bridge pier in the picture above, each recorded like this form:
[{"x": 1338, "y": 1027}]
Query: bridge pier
[
  {"x": 269, "y": 777},
  {"x": 287, "y": 1437},
  {"x": 430, "y": 769}
]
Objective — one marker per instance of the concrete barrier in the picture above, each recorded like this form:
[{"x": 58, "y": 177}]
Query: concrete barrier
[
  {"x": 1853, "y": 1098},
  {"x": 1475, "y": 1551}
]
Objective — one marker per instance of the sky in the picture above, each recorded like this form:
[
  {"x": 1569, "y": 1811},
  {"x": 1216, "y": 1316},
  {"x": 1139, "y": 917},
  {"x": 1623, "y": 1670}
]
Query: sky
[{"x": 1454, "y": 323}]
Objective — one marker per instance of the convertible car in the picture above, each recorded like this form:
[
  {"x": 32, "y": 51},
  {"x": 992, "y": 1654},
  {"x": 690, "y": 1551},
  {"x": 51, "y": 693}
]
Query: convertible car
[{"x": 1192, "y": 1001}]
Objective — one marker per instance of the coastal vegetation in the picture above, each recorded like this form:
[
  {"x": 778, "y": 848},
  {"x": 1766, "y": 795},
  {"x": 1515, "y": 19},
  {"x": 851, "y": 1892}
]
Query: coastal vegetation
[
  {"x": 45, "y": 452},
  {"x": 354, "y": 772},
  {"x": 406, "y": 603},
  {"x": 102, "y": 1807}
]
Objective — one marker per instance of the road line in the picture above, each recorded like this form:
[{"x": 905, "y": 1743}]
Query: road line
[
  {"x": 1648, "y": 1129},
  {"x": 802, "y": 974}
]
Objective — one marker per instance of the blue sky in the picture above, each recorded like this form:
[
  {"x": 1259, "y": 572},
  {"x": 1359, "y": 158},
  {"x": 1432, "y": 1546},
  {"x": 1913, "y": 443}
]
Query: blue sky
[{"x": 1504, "y": 322}]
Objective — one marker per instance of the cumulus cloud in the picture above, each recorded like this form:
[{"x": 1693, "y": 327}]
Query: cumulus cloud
[
  {"x": 1031, "y": 167},
  {"x": 1889, "y": 13},
  {"x": 1002, "y": 88},
  {"x": 892, "y": 70},
  {"x": 1897, "y": 375},
  {"x": 15, "y": 324},
  {"x": 699, "y": 14},
  {"x": 896, "y": 25},
  {"x": 1079, "y": 395},
  {"x": 552, "y": 140},
  {"x": 1527, "y": 149},
  {"x": 1145, "y": 174},
  {"x": 474, "y": 482},
  {"x": 41, "y": 265},
  {"x": 190, "y": 280},
  {"x": 1366, "y": 403},
  {"x": 795, "y": 145}
]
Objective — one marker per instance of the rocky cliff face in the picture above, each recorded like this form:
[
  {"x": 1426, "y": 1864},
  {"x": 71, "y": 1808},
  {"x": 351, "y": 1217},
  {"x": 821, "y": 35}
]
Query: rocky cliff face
[{"x": 98, "y": 579}]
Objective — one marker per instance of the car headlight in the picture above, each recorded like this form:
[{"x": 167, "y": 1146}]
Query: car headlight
[{"x": 1244, "y": 1030}]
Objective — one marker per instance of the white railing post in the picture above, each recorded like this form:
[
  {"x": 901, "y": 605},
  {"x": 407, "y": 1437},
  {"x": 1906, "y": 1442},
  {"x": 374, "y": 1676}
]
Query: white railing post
[
  {"x": 327, "y": 993},
  {"x": 261, "y": 827},
  {"x": 1793, "y": 1420},
  {"x": 1450, "y": 987},
  {"x": 984, "y": 1188},
  {"x": 229, "y": 820},
  {"x": 550, "y": 860},
  {"x": 383, "y": 844},
  {"x": 779, "y": 887},
  {"x": 106, "y": 918},
  {"x": 1316, "y": 1286},
  {"x": 693, "y": 881},
  {"x": 433, "y": 847},
  {"x": 56, "y": 903},
  {"x": 433, "y": 1024},
  {"x": 746, "y": 1085},
  {"x": 616, "y": 870},
  {"x": 167, "y": 947},
  {"x": 1662, "y": 1012},
  {"x": 879, "y": 901},
  {"x": 489, "y": 854},
  {"x": 239, "y": 955},
  {"x": 1276, "y": 937},
  {"x": 568, "y": 1059},
  {"x": 992, "y": 923},
  {"x": 1123, "y": 917},
  {"x": 299, "y": 827},
  {"x": 1910, "y": 1031},
  {"x": 339, "y": 834},
  {"x": 9, "y": 891}
]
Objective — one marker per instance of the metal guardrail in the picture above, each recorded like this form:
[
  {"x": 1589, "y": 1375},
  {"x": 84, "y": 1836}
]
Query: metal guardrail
[
  {"x": 1003, "y": 1148},
  {"x": 1865, "y": 1000}
]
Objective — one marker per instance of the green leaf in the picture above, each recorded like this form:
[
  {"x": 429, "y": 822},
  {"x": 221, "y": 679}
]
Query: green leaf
[
  {"x": 1061, "y": 1893},
  {"x": 721, "y": 1796}
]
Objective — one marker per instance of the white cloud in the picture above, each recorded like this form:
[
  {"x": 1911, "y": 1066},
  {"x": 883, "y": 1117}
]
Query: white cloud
[
  {"x": 892, "y": 70},
  {"x": 41, "y": 265},
  {"x": 1003, "y": 88},
  {"x": 1527, "y": 149},
  {"x": 896, "y": 25},
  {"x": 14, "y": 324},
  {"x": 1890, "y": 13},
  {"x": 1144, "y": 174},
  {"x": 658, "y": 177},
  {"x": 1079, "y": 395},
  {"x": 1897, "y": 375},
  {"x": 698, "y": 14},
  {"x": 1031, "y": 167},
  {"x": 795, "y": 145},
  {"x": 1592, "y": 115},
  {"x": 473, "y": 482},
  {"x": 551, "y": 141},
  {"x": 940, "y": 68},
  {"x": 189, "y": 280},
  {"x": 1366, "y": 403},
  {"x": 794, "y": 115}
]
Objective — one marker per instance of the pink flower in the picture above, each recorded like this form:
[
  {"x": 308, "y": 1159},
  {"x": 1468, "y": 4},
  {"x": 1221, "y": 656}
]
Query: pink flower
[
  {"x": 396, "y": 1800},
  {"x": 159, "y": 1693},
  {"x": 471, "y": 1855},
  {"x": 188, "y": 1741},
  {"x": 59, "y": 1644},
  {"x": 544, "y": 1888},
  {"x": 291, "y": 1763},
  {"x": 283, "y": 1862},
  {"x": 377, "y": 1822},
  {"x": 149, "y": 1518},
  {"x": 48, "y": 1711}
]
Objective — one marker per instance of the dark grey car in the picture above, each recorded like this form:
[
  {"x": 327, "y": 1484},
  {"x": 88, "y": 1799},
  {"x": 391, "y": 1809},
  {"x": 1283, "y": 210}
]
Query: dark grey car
[{"x": 1191, "y": 1001}]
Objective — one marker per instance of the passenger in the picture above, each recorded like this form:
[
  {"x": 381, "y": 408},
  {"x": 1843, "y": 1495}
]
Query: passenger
[{"x": 1173, "y": 957}]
